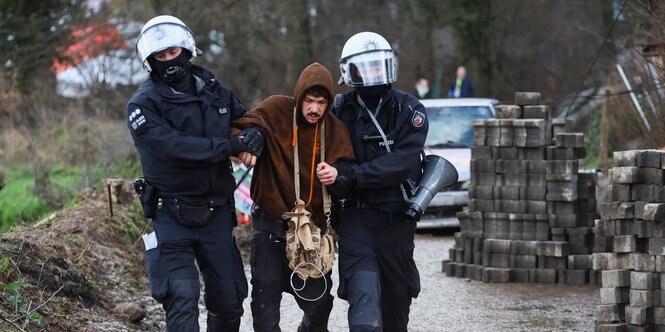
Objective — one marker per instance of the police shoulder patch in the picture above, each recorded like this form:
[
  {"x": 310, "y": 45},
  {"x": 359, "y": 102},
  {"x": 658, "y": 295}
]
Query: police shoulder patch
[
  {"x": 137, "y": 119},
  {"x": 417, "y": 119}
]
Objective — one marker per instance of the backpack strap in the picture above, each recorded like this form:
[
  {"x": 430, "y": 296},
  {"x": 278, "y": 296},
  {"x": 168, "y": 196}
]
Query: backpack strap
[
  {"x": 326, "y": 196},
  {"x": 296, "y": 163}
]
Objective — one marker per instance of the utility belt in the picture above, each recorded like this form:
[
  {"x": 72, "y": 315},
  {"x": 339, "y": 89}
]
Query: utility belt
[
  {"x": 262, "y": 221},
  {"x": 354, "y": 203},
  {"x": 188, "y": 211}
]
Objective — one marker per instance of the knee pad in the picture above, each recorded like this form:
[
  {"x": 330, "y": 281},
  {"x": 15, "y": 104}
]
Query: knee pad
[
  {"x": 185, "y": 289},
  {"x": 182, "y": 305},
  {"x": 364, "y": 297},
  {"x": 224, "y": 302},
  {"x": 183, "y": 294}
]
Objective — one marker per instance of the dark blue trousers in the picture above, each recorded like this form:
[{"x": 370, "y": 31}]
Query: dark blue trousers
[
  {"x": 378, "y": 276},
  {"x": 271, "y": 277},
  {"x": 174, "y": 278}
]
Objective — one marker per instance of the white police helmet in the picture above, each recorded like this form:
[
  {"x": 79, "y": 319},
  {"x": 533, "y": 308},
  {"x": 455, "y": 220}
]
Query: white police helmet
[
  {"x": 367, "y": 60},
  {"x": 162, "y": 32}
]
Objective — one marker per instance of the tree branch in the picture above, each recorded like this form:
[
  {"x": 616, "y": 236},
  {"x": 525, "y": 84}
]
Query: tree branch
[
  {"x": 11, "y": 323},
  {"x": 35, "y": 309}
]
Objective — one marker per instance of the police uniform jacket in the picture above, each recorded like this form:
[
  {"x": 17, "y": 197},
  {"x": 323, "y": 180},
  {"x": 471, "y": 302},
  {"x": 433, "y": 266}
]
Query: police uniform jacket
[
  {"x": 379, "y": 173},
  {"x": 183, "y": 139}
]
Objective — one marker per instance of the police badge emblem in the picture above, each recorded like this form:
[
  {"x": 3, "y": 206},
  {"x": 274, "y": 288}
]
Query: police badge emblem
[{"x": 418, "y": 119}]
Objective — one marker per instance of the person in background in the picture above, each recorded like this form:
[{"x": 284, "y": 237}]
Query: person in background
[
  {"x": 422, "y": 89},
  {"x": 461, "y": 86}
]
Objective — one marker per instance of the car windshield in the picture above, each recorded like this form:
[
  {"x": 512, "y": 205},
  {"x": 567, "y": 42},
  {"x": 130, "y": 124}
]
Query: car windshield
[{"x": 452, "y": 127}]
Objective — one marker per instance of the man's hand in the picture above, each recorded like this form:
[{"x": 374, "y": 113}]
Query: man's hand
[
  {"x": 247, "y": 158},
  {"x": 326, "y": 173}
]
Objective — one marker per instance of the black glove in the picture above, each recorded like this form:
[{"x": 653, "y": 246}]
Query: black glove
[
  {"x": 254, "y": 138},
  {"x": 249, "y": 140},
  {"x": 346, "y": 177},
  {"x": 238, "y": 146}
]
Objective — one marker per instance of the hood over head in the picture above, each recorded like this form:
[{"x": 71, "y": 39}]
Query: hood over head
[{"x": 314, "y": 74}]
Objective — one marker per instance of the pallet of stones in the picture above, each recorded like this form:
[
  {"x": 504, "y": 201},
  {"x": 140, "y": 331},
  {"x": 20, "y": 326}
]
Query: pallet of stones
[
  {"x": 476, "y": 225},
  {"x": 630, "y": 244},
  {"x": 526, "y": 193},
  {"x": 516, "y": 169},
  {"x": 631, "y": 301},
  {"x": 505, "y": 180},
  {"x": 501, "y": 260}
]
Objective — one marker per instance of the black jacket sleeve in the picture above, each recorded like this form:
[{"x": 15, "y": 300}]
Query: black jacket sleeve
[{"x": 151, "y": 131}]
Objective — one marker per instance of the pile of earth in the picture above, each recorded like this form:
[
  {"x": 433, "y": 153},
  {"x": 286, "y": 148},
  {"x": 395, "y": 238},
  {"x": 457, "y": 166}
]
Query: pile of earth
[{"x": 82, "y": 269}]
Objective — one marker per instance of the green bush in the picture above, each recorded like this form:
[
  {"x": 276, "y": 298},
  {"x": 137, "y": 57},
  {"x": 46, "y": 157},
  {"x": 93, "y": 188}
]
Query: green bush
[{"x": 18, "y": 203}]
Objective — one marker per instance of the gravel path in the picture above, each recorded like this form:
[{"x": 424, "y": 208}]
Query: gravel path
[{"x": 454, "y": 304}]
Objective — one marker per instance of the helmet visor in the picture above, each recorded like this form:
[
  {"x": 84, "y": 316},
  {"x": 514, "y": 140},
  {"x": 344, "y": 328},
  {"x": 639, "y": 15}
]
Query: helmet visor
[
  {"x": 372, "y": 68},
  {"x": 162, "y": 36}
]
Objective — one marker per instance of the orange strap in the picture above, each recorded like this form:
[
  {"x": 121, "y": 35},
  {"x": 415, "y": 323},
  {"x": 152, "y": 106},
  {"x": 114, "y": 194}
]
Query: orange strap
[
  {"x": 311, "y": 179},
  {"x": 295, "y": 136}
]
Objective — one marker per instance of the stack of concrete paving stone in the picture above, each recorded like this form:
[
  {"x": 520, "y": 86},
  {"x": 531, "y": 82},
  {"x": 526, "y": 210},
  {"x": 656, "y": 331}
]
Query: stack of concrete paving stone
[
  {"x": 630, "y": 244},
  {"x": 531, "y": 211}
]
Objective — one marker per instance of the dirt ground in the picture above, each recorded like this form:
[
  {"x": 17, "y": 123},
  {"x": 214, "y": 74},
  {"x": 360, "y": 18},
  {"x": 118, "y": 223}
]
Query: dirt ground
[
  {"x": 70, "y": 272},
  {"x": 454, "y": 304}
]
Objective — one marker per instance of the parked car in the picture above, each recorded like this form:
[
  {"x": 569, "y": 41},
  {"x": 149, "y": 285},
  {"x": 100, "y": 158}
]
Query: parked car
[{"x": 451, "y": 136}]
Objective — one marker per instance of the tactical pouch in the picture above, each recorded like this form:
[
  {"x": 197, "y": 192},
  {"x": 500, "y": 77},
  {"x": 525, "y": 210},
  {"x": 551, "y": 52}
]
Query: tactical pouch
[
  {"x": 147, "y": 195},
  {"x": 191, "y": 214}
]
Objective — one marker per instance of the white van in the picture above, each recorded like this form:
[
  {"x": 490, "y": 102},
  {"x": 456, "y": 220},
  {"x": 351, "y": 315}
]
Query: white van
[{"x": 450, "y": 136}]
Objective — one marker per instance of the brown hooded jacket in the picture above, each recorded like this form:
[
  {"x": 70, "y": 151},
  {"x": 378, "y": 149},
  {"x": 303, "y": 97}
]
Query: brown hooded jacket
[{"x": 273, "y": 187}]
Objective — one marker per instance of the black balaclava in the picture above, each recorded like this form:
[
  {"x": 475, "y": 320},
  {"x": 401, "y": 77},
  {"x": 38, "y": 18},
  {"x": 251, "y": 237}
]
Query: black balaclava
[
  {"x": 175, "y": 72},
  {"x": 372, "y": 94}
]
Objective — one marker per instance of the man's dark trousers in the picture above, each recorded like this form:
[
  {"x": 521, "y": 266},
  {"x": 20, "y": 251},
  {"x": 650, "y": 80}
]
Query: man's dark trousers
[{"x": 271, "y": 276}]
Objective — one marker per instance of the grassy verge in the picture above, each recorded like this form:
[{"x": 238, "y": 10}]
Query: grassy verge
[{"x": 19, "y": 203}]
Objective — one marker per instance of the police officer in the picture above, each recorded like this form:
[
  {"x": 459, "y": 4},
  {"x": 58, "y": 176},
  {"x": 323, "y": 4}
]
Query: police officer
[
  {"x": 179, "y": 119},
  {"x": 388, "y": 127}
]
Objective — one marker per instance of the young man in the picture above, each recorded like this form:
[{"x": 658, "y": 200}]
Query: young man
[
  {"x": 180, "y": 120},
  {"x": 388, "y": 127},
  {"x": 273, "y": 192}
]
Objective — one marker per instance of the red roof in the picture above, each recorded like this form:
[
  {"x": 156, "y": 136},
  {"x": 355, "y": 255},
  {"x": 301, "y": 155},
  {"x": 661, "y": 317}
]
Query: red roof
[{"x": 89, "y": 42}]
